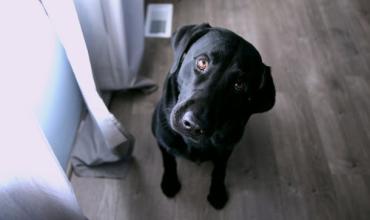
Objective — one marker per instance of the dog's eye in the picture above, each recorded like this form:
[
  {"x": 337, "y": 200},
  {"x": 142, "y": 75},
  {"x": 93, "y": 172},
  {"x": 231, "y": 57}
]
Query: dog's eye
[
  {"x": 202, "y": 64},
  {"x": 239, "y": 86}
]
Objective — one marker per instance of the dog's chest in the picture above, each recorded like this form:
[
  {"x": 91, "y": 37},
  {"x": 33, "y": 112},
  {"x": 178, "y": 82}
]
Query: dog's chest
[{"x": 197, "y": 153}]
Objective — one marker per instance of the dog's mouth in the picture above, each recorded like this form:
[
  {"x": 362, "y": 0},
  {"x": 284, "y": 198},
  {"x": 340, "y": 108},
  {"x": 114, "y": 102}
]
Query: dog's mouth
[
  {"x": 177, "y": 123},
  {"x": 218, "y": 137},
  {"x": 185, "y": 123}
]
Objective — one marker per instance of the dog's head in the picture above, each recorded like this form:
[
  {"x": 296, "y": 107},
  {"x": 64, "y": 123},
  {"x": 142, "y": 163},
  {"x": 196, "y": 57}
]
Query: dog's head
[{"x": 221, "y": 80}]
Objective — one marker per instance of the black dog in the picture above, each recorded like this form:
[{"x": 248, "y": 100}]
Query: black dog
[{"x": 217, "y": 81}]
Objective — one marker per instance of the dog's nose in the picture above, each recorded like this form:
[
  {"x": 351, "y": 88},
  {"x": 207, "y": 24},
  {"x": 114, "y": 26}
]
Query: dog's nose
[{"x": 191, "y": 124}]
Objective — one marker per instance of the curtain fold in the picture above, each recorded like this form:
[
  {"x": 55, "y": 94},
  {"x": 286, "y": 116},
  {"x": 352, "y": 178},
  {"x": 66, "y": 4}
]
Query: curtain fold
[
  {"x": 114, "y": 35},
  {"x": 103, "y": 147}
]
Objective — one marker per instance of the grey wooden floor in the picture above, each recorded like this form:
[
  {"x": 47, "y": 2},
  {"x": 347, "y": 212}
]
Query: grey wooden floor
[{"x": 308, "y": 158}]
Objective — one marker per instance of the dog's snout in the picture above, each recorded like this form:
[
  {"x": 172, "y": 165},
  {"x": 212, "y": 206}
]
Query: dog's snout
[{"x": 191, "y": 124}]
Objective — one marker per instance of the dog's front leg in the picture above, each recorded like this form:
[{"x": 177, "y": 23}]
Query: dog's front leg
[
  {"x": 218, "y": 196},
  {"x": 170, "y": 183}
]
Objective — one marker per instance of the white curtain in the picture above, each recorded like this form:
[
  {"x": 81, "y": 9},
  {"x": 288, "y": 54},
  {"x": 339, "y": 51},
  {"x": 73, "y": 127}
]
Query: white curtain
[
  {"x": 112, "y": 39},
  {"x": 114, "y": 35},
  {"x": 32, "y": 184}
]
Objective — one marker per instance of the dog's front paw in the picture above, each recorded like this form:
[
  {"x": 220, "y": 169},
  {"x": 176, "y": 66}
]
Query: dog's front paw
[
  {"x": 218, "y": 197},
  {"x": 170, "y": 185}
]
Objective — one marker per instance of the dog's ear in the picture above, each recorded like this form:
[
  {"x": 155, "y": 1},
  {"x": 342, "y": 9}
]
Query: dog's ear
[
  {"x": 264, "y": 99},
  {"x": 183, "y": 38}
]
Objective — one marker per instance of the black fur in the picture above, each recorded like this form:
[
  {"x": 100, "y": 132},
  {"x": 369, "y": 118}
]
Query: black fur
[{"x": 219, "y": 110}]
